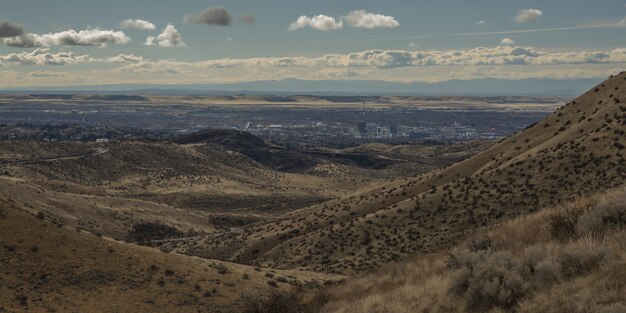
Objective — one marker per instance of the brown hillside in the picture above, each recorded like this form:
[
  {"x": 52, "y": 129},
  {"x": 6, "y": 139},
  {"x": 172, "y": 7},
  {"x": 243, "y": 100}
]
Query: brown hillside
[
  {"x": 46, "y": 267},
  {"x": 577, "y": 150}
]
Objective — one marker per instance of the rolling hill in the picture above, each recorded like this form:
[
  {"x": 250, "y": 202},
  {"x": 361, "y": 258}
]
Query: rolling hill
[
  {"x": 48, "y": 267},
  {"x": 573, "y": 152}
]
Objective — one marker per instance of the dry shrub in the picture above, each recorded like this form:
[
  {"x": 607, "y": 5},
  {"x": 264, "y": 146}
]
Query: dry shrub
[
  {"x": 562, "y": 225},
  {"x": 609, "y": 213},
  {"x": 493, "y": 280},
  {"x": 285, "y": 302},
  {"x": 576, "y": 260},
  {"x": 275, "y": 302},
  {"x": 615, "y": 308}
]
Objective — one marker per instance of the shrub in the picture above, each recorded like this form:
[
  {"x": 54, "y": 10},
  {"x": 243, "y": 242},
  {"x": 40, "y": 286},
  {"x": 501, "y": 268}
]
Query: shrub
[
  {"x": 578, "y": 260},
  {"x": 615, "y": 308},
  {"x": 278, "y": 302},
  {"x": 495, "y": 282},
  {"x": 609, "y": 212},
  {"x": 562, "y": 225}
]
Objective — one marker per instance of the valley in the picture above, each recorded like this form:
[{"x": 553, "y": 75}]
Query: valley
[{"x": 220, "y": 220}]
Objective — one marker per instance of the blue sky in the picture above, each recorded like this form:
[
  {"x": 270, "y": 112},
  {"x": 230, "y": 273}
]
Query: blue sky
[{"x": 387, "y": 40}]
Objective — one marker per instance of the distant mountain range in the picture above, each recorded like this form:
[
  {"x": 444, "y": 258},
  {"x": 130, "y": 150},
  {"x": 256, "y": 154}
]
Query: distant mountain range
[{"x": 480, "y": 87}]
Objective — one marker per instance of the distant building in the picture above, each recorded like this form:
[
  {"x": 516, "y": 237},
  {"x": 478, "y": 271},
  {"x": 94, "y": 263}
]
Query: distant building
[
  {"x": 362, "y": 128},
  {"x": 384, "y": 132},
  {"x": 420, "y": 135},
  {"x": 102, "y": 140},
  {"x": 372, "y": 129},
  {"x": 393, "y": 129}
]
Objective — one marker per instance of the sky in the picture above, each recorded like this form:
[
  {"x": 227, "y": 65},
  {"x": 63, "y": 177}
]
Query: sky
[{"x": 84, "y": 42}]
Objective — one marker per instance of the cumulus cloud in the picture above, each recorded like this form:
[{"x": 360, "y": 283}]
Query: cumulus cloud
[
  {"x": 137, "y": 24},
  {"x": 123, "y": 58},
  {"x": 210, "y": 16},
  {"x": 528, "y": 15},
  {"x": 357, "y": 19},
  {"x": 318, "y": 22},
  {"x": 170, "y": 37},
  {"x": 364, "y": 19},
  {"x": 9, "y": 30},
  {"x": 45, "y": 57},
  {"x": 386, "y": 59},
  {"x": 507, "y": 41},
  {"x": 248, "y": 19},
  {"x": 89, "y": 37}
]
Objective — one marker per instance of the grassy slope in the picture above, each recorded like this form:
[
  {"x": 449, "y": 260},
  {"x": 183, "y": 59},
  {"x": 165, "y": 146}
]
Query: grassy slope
[
  {"x": 46, "y": 268},
  {"x": 570, "y": 258},
  {"x": 574, "y": 151}
]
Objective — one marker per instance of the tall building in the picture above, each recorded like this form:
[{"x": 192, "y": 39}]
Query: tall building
[{"x": 362, "y": 127}]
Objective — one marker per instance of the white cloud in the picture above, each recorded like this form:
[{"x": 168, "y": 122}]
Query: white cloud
[
  {"x": 381, "y": 59},
  {"x": 45, "y": 57},
  {"x": 357, "y": 19},
  {"x": 482, "y": 23},
  {"x": 137, "y": 24},
  {"x": 170, "y": 37},
  {"x": 528, "y": 15},
  {"x": 507, "y": 41},
  {"x": 88, "y": 37},
  {"x": 364, "y": 19},
  {"x": 318, "y": 22},
  {"x": 124, "y": 58}
]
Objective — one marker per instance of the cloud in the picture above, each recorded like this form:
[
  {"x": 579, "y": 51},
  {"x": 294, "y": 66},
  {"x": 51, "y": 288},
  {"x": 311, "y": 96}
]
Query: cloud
[
  {"x": 413, "y": 44},
  {"x": 123, "y": 58},
  {"x": 170, "y": 37},
  {"x": 482, "y": 23},
  {"x": 364, "y": 19},
  {"x": 137, "y": 24},
  {"x": 248, "y": 19},
  {"x": 528, "y": 15},
  {"x": 44, "y": 57},
  {"x": 386, "y": 59},
  {"x": 357, "y": 19},
  {"x": 9, "y": 30},
  {"x": 507, "y": 41},
  {"x": 89, "y": 37},
  {"x": 318, "y": 22},
  {"x": 210, "y": 16}
]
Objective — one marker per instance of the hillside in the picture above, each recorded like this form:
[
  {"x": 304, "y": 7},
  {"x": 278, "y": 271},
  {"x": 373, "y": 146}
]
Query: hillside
[
  {"x": 573, "y": 152},
  {"x": 48, "y": 267},
  {"x": 569, "y": 258}
]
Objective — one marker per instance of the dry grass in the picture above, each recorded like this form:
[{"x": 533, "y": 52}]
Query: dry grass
[
  {"x": 47, "y": 267},
  {"x": 519, "y": 266}
]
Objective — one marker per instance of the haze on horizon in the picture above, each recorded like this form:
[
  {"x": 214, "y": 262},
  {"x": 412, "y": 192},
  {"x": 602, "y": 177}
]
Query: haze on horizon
[{"x": 70, "y": 43}]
